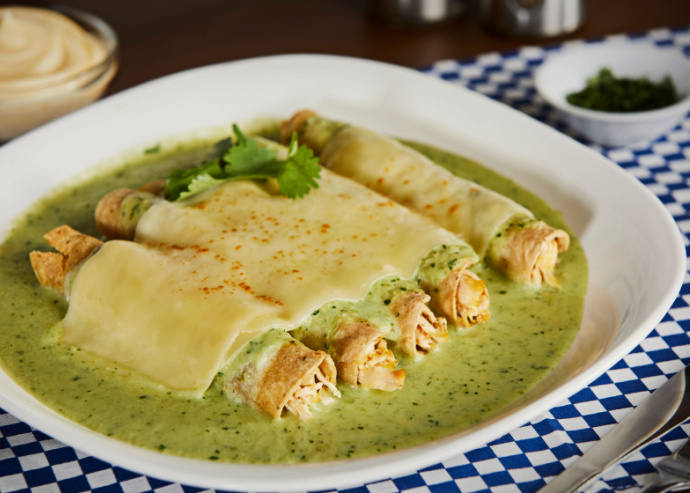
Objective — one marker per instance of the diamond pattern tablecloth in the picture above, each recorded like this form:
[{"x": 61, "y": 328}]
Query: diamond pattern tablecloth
[{"x": 530, "y": 455}]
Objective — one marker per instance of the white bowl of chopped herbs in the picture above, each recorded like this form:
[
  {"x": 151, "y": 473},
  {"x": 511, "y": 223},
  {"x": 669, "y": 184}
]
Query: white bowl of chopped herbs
[{"x": 617, "y": 92}]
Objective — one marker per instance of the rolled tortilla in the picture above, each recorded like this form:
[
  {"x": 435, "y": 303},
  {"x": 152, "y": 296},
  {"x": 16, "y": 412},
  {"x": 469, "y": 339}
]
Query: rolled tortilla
[
  {"x": 420, "y": 329},
  {"x": 281, "y": 373},
  {"x": 55, "y": 270},
  {"x": 357, "y": 346},
  {"x": 118, "y": 212},
  {"x": 360, "y": 336},
  {"x": 275, "y": 373},
  {"x": 404, "y": 316},
  {"x": 361, "y": 350},
  {"x": 527, "y": 250},
  {"x": 502, "y": 231},
  {"x": 456, "y": 292},
  {"x": 363, "y": 357}
]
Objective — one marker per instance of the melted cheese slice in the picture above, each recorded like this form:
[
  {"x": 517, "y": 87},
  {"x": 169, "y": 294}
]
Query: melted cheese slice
[
  {"x": 208, "y": 274},
  {"x": 387, "y": 166}
]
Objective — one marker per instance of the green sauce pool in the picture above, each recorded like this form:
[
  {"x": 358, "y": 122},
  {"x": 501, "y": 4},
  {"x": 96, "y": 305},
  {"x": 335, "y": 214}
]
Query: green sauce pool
[{"x": 467, "y": 380}]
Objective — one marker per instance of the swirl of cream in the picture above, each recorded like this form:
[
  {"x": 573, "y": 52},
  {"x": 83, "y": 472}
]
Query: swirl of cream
[
  {"x": 49, "y": 66},
  {"x": 41, "y": 48}
]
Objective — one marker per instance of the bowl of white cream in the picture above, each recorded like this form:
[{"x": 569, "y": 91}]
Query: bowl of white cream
[{"x": 52, "y": 62}]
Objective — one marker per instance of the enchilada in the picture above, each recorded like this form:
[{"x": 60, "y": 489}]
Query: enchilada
[{"x": 507, "y": 234}]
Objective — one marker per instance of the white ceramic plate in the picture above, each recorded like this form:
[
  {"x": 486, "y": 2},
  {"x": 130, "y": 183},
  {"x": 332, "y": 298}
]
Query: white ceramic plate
[{"x": 635, "y": 251}]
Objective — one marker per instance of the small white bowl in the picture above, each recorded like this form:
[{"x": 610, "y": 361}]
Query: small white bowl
[{"x": 568, "y": 71}]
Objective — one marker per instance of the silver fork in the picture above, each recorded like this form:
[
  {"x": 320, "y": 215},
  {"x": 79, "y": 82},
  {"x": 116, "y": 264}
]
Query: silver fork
[{"x": 673, "y": 471}]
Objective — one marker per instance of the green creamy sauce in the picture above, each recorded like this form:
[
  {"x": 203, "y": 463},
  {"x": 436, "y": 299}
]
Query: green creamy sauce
[
  {"x": 320, "y": 326},
  {"x": 471, "y": 377}
]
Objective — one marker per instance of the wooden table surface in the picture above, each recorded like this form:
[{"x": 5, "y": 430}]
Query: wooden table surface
[{"x": 159, "y": 37}]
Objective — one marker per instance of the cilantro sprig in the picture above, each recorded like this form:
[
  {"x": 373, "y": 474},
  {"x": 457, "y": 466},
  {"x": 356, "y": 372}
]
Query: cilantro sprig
[{"x": 247, "y": 160}]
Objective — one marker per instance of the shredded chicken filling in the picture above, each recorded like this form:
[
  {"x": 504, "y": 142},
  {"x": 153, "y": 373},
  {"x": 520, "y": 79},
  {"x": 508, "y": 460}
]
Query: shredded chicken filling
[
  {"x": 429, "y": 332},
  {"x": 313, "y": 388},
  {"x": 531, "y": 253},
  {"x": 378, "y": 370},
  {"x": 380, "y": 357},
  {"x": 545, "y": 264},
  {"x": 471, "y": 299}
]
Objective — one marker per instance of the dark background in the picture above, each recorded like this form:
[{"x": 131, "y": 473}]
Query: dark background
[{"x": 159, "y": 37}]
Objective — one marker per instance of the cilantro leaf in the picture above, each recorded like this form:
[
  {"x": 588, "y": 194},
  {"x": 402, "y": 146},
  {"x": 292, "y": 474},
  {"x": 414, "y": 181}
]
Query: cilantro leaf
[
  {"x": 180, "y": 179},
  {"x": 199, "y": 184},
  {"x": 300, "y": 171},
  {"x": 247, "y": 159}
]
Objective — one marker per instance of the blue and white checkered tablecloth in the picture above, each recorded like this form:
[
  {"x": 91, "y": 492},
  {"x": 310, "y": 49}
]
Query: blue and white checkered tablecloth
[{"x": 530, "y": 455}]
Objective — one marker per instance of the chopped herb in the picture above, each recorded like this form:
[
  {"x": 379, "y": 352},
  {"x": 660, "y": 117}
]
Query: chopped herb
[
  {"x": 247, "y": 160},
  {"x": 606, "y": 92},
  {"x": 153, "y": 150}
]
